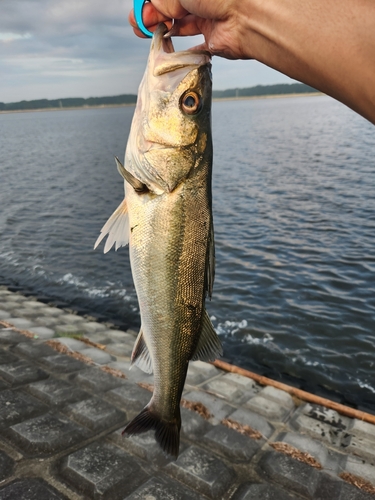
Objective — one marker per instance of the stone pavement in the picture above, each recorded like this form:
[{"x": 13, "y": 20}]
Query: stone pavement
[{"x": 61, "y": 418}]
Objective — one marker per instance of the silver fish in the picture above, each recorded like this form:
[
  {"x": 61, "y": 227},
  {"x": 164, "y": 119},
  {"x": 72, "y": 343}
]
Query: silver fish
[{"x": 166, "y": 217}]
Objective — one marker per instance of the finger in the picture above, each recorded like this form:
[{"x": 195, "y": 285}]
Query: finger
[
  {"x": 150, "y": 16},
  {"x": 171, "y": 9},
  {"x": 187, "y": 26}
]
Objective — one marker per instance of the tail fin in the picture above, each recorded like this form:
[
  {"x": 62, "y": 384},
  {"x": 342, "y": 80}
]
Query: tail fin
[{"x": 167, "y": 434}]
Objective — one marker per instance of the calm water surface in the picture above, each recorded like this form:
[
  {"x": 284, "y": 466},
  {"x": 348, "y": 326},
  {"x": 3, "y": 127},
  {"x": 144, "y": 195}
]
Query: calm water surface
[{"x": 294, "y": 214}]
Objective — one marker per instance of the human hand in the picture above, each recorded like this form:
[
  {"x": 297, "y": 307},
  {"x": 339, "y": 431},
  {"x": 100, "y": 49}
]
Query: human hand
[{"x": 218, "y": 21}]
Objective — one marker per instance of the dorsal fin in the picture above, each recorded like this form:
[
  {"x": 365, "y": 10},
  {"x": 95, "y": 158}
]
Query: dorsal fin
[
  {"x": 141, "y": 355},
  {"x": 117, "y": 228},
  {"x": 209, "y": 346}
]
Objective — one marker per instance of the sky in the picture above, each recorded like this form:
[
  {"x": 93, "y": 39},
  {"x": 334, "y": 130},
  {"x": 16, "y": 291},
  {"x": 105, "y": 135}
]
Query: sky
[{"x": 86, "y": 48}]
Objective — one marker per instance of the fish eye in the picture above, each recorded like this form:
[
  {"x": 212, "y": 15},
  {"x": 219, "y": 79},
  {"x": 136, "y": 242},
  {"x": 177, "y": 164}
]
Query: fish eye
[{"x": 190, "y": 102}]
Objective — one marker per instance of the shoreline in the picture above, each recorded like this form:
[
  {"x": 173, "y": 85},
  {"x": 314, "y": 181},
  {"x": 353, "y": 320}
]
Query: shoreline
[{"x": 216, "y": 99}]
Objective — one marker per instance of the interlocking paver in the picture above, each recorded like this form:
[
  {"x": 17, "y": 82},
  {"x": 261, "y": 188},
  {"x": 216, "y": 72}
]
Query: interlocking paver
[
  {"x": 163, "y": 489},
  {"x": 289, "y": 473},
  {"x": 257, "y": 491},
  {"x": 98, "y": 380},
  {"x": 56, "y": 392},
  {"x": 46, "y": 434},
  {"x": 61, "y": 363},
  {"x": 129, "y": 396},
  {"x": 21, "y": 372},
  {"x": 202, "y": 471},
  {"x": 217, "y": 407},
  {"x": 95, "y": 414},
  {"x": 268, "y": 408},
  {"x": 257, "y": 422},
  {"x": 34, "y": 349},
  {"x": 16, "y": 407},
  {"x": 30, "y": 489},
  {"x": 232, "y": 444},
  {"x": 103, "y": 471},
  {"x": 8, "y": 336},
  {"x": 7, "y": 357}
]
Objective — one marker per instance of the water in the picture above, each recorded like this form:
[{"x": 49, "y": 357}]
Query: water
[{"x": 294, "y": 213}]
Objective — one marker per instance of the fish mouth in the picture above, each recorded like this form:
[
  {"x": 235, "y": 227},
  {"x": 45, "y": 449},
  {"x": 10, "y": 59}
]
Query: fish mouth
[{"x": 164, "y": 59}]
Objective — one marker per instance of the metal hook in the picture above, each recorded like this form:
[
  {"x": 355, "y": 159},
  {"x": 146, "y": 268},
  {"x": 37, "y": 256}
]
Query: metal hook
[{"x": 138, "y": 10}]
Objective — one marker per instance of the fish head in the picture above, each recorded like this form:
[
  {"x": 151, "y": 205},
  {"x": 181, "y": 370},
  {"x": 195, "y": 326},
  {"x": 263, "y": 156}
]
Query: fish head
[{"x": 171, "y": 129}]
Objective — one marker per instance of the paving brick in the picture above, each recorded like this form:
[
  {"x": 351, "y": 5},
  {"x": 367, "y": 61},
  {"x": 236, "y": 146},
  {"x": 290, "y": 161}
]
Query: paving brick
[
  {"x": 129, "y": 396},
  {"x": 132, "y": 372},
  {"x": 257, "y": 422},
  {"x": 142, "y": 445},
  {"x": 30, "y": 489},
  {"x": 334, "y": 489},
  {"x": 7, "y": 357},
  {"x": 317, "y": 429},
  {"x": 202, "y": 471},
  {"x": 61, "y": 363},
  {"x": 42, "y": 332},
  {"x": 56, "y": 392},
  {"x": 119, "y": 349},
  {"x": 33, "y": 349},
  {"x": 46, "y": 434},
  {"x": 268, "y": 408},
  {"x": 95, "y": 414},
  {"x": 71, "y": 318},
  {"x": 68, "y": 329},
  {"x": 49, "y": 321},
  {"x": 159, "y": 488},
  {"x": 362, "y": 429},
  {"x": 97, "y": 355},
  {"x": 193, "y": 425},
  {"x": 359, "y": 467},
  {"x": 8, "y": 336},
  {"x": 232, "y": 444},
  {"x": 226, "y": 389},
  {"x": 256, "y": 491},
  {"x": 21, "y": 323},
  {"x": 9, "y": 305},
  {"x": 6, "y": 465},
  {"x": 281, "y": 397},
  {"x": 73, "y": 344},
  {"x": 16, "y": 407},
  {"x": 103, "y": 471},
  {"x": 326, "y": 415},
  {"x": 21, "y": 372},
  {"x": 52, "y": 311},
  {"x": 3, "y": 385},
  {"x": 199, "y": 372},
  {"x": 119, "y": 336},
  {"x": 25, "y": 312},
  {"x": 359, "y": 446},
  {"x": 4, "y": 314},
  {"x": 289, "y": 473},
  {"x": 92, "y": 327},
  {"x": 34, "y": 304},
  {"x": 217, "y": 407},
  {"x": 98, "y": 380},
  {"x": 246, "y": 383}
]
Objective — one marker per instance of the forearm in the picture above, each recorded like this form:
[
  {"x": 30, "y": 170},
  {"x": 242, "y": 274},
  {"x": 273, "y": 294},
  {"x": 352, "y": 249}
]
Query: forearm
[{"x": 328, "y": 44}]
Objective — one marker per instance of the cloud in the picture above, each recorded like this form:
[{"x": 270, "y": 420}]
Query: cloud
[{"x": 66, "y": 48}]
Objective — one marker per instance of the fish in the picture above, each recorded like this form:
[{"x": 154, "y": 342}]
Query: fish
[{"x": 166, "y": 218}]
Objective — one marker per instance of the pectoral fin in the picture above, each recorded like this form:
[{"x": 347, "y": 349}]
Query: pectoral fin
[
  {"x": 117, "y": 228},
  {"x": 141, "y": 355},
  {"x": 137, "y": 185},
  {"x": 209, "y": 346}
]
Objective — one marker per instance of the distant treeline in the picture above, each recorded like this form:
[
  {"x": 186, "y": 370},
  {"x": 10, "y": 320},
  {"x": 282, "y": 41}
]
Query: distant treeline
[
  {"x": 79, "y": 102},
  {"x": 72, "y": 102},
  {"x": 279, "y": 88}
]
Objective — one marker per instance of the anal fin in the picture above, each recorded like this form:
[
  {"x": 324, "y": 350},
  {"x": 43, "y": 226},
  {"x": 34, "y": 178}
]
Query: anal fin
[
  {"x": 209, "y": 346},
  {"x": 141, "y": 355},
  {"x": 117, "y": 228}
]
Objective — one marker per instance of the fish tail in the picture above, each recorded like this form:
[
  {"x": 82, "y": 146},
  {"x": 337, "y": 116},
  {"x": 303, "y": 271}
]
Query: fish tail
[{"x": 167, "y": 434}]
